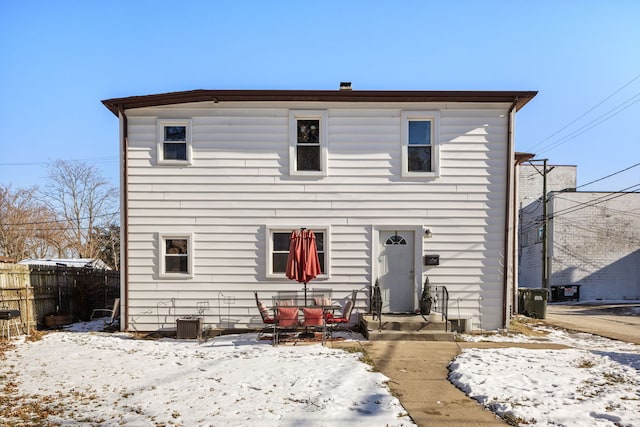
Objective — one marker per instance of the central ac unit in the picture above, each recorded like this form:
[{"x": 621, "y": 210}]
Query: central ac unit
[{"x": 189, "y": 328}]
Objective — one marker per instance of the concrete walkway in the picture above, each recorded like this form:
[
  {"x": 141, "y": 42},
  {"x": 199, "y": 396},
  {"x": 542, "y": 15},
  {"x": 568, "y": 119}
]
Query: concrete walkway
[
  {"x": 418, "y": 370},
  {"x": 616, "y": 321}
]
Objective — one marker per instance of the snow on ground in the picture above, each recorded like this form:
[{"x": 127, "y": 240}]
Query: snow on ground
[
  {"x": 93, "y": 378},
  {"x": 96, "y": 378},
  {"x": 596, "y": 382}
]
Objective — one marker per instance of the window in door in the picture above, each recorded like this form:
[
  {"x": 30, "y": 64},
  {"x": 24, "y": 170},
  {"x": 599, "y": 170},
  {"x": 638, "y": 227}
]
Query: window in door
[{"x": 395, "y": 240}]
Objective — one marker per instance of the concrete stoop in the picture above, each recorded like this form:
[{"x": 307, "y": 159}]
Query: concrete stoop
[{"x": 405, "y": 328}]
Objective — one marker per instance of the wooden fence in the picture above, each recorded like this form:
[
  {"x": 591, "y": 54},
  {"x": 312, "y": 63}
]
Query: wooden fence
[{"x": 42, "y": 292}]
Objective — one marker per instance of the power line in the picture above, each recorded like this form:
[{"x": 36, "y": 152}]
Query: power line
[
  {"x": 595, "y": 122},
  {"x": 586, "y": 112},
  {"x": 56, "y": 230},
  {"x": 108, "y": 159},
  {"x": 619, "y": 211},
  {"x": 533, "y": 223},
  {"x": 598, "y": 200},
  {"x": 588, "y": 183},
  {"x": 61, "y": 220},
  {"x": 589, "y": 227},
  {"x": 608, "y": 176},
  {"x": 530, "y": 208}
]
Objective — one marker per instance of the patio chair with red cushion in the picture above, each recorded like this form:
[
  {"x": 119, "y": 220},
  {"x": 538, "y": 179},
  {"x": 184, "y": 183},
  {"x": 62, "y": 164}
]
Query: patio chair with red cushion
[
  {"x": 286, "y": 319},
  {"x": 314, "y": 319},
  {"x": 341, "y": 321},
  {"x": 267, "y": 318}
]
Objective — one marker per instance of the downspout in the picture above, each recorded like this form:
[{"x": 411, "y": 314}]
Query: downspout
[
  {"x": 124, "y": 220},
  {"x": 510, "y": 197}
]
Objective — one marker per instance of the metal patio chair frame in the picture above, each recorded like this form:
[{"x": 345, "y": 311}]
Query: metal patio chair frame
[
  {"x": 334, "y": 323},
  {"x": 113, "y": 313}
]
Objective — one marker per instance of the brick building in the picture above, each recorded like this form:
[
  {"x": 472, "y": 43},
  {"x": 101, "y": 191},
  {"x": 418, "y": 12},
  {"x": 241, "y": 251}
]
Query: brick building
[{"x": 593, "y": 238}]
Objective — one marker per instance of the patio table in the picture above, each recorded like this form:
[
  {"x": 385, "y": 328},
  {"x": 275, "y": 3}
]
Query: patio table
[{"x": 303, "y": 334}]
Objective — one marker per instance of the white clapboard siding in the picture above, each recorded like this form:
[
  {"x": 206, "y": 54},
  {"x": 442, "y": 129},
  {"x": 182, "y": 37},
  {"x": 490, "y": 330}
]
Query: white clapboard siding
[{"x": 238, "y": 185}]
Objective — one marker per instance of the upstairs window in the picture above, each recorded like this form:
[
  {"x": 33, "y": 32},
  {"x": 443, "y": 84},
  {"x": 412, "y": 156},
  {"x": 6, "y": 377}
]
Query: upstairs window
[
  {"x": 308, "y": 142},
  {"x": 174, "y": 141},
  {"x": 308, "y": 145},
  {"x": 420, "y": 150}
]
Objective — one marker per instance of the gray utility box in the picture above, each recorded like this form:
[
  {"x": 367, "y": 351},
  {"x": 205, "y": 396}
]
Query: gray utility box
[{"x": 189, "y": 328}]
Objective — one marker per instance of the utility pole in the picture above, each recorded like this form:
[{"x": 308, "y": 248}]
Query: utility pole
[{"x": 545, "y": 223}]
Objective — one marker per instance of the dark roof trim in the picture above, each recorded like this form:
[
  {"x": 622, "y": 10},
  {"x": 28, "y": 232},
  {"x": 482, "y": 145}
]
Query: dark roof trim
[
  {"x": 523, "y": 157},
  {"x": 201, "y": 95}
]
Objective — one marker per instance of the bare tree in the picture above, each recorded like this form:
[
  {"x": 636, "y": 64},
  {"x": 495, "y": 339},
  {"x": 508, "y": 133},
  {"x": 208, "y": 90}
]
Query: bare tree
[
  {"x": 109, "y": 245},
  {"x": 28, "y": 228},
  {"x": 84, "y": 201}
]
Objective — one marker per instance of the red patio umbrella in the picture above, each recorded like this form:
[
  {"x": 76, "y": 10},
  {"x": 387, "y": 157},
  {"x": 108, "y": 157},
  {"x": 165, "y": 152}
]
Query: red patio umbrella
[{"x": 303, "y": 263}]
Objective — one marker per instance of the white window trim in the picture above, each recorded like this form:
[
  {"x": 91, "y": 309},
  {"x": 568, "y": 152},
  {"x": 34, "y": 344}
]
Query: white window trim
[
  {"x": 161, "y": 123},
  {"x": 161, "y": 255},
  {"x": 294, "y": 116},
  {"x": 434, "y": 118},
  {"x": 326, "y": 229}
]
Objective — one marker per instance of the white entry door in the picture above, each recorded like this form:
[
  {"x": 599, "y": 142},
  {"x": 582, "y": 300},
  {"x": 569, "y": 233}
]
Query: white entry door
[{"x": 395, "y": 271}]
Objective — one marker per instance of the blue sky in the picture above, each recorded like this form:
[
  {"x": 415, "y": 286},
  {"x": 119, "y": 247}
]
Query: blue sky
[{"x": 59, "y": 59}]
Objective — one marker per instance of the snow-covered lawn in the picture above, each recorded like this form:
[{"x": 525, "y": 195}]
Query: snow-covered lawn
[
  {"x": 95, "y": 378},
  {"x": 594, "y": 383},
  {"x": 88, "y": 378}
]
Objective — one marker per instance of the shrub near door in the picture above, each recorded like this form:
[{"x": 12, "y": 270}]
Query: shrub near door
[{"x": 426, "y": 299}]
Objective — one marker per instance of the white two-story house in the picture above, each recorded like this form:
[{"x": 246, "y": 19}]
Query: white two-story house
[{"x": 214, "y": 181}]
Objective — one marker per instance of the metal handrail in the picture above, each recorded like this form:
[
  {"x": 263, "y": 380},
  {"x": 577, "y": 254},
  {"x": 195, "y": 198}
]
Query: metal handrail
[
  {"x": 441, "y": 304},
  {"x": 376, "y": 305}
]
